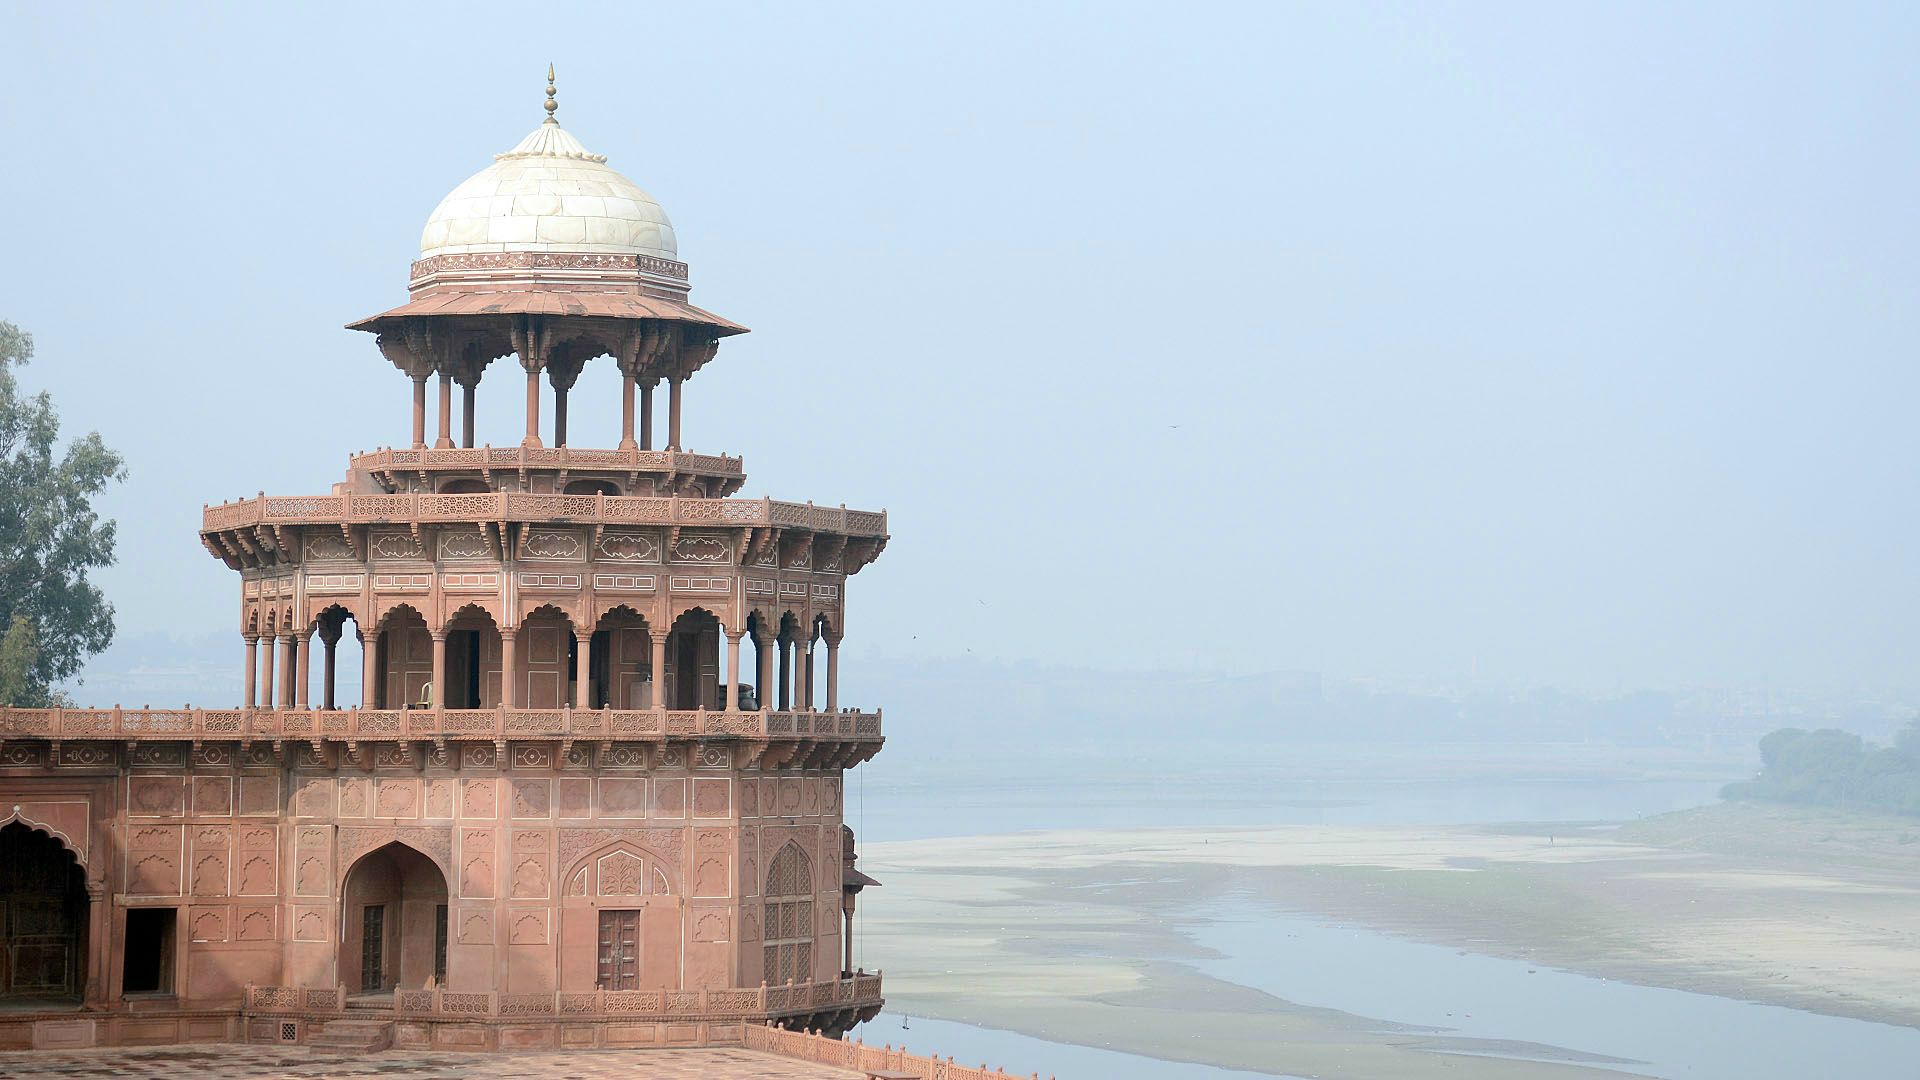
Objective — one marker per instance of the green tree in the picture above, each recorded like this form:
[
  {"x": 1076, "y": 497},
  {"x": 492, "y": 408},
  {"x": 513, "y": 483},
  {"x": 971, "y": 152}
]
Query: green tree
[{"x": 50, "y": 536}]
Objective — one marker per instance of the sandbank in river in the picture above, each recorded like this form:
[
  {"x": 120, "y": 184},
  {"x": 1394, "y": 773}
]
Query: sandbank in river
[{"x": 1084, "y": 936}]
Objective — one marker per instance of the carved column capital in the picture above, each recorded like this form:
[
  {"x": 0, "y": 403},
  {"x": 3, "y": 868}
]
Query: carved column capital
[{"x": 532, "y": 342}]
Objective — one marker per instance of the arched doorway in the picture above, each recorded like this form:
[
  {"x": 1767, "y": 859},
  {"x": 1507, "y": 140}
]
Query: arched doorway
[
  {"x": 473, "y": 660},
  {"x": 405, "y": 659},
  {"x": 693, "y": 661},
  {"x": 43, "y": 909},
  {"x": 393, "y": 912},
  {"x": 620, "y": 666}
]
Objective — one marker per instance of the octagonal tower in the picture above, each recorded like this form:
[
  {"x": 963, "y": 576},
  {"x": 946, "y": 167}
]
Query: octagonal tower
[{"x": 589, "y": 788}]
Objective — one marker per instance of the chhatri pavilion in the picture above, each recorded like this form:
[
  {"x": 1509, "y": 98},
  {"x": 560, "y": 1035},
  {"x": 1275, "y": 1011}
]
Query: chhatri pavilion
[{"x": 591, "y": 791}]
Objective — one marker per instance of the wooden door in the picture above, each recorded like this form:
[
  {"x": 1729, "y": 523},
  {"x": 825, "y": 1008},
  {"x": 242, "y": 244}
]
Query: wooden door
[
  {"x": 619, "y": 950},
  {"x": 373, "y": 940}
]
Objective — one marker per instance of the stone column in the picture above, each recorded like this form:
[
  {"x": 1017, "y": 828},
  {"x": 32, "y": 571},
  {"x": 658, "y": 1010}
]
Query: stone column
[
  {"x": 733, "y": 672},
  {"x": 658, "y": 640},
  {"x": 646, "y": 414},
  {"x": 833, "y": 673},
  {"x": 99, "y": 959},
  {"x": 329, "y": 639},
  {"x": 765, "y": 682},
  {"x": 439, "y": 669},
  {"x": 801, "y": 656},
  {"x": 253, "y": 651},
  {"x": 509, "y": 680},
  {"x": 370, "y": 670},
  {"x": 533, "y": 407},
  {"x": 562, "y": 371},
  {"x": 803, "y": 675},
  {"x": 289, "y": 655},
  {"x": 445, "y": 441},
  {"x": 626, "y": 411},
  {"x": 785, "y": 682},
  {"x": 269, "y": 690},
  {"x": 420, "y": 410},
  {"x": 582, "y": 658},
  {"x": 846, "y": 969},
  {"x": 673, "y": 412},
  {"x": 466, "y": 416},
  {"x": 303, "y": 650}
]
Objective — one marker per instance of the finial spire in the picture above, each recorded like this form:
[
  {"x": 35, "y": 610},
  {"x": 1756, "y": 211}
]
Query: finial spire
[{"x": 552, "y": 104}]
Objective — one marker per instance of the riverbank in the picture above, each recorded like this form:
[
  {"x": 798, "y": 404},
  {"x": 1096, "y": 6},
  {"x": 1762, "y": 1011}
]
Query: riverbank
[{"x": 1075, "y": 936}]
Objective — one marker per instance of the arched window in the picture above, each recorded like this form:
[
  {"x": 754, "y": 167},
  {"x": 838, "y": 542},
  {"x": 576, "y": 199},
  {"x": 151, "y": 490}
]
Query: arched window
[{"x": 788, "y": 920}]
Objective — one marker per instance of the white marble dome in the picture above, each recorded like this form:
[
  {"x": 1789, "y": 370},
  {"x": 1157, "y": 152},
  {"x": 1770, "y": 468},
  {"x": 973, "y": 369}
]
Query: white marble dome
[{"x": 549, "y": 194}]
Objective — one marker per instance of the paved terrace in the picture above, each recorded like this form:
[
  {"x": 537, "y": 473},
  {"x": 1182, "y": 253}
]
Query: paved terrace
[{"x": 236, "y": 1062}]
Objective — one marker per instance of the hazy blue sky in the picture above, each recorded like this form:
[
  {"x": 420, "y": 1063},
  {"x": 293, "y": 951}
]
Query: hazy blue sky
[{"x": 1574, "y": 343}]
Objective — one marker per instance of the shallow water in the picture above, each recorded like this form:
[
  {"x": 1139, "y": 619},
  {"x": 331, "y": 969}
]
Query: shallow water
[
  {"x": 1675, "y": 1034},
  {"x": 971, "y": 1045}
]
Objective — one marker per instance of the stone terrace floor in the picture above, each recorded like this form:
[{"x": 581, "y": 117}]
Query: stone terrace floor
[{"x": 236, "y": 1062}]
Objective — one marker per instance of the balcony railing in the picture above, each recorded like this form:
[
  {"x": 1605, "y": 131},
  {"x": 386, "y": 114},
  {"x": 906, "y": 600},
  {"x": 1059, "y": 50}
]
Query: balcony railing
[
  {"x": 764, "y": 1002},
  {"x": 375, "y": 725},
  {"x": 515, "y": 506},
  {"x": 517, "y": 458},
  {"x": 859, "y": 1057}
]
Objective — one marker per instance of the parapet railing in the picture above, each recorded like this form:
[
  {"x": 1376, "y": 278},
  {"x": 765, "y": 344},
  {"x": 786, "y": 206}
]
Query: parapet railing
[
  {"x": 807, "y": 1046},
  {"x": 460, "y": 724},
  {"x": 516, "y": 506},
  {"x": 793, "y": 999},
  {"x": 556, "y": 457}
]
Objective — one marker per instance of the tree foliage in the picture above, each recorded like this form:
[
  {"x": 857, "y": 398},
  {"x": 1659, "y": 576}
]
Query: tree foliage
[
  {"x": 51, "y": 538},
  {"x": 1836, "y": 768}
]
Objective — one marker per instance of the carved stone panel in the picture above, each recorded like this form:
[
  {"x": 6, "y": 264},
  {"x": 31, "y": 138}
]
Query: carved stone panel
[{"x": 213, "y": 796}]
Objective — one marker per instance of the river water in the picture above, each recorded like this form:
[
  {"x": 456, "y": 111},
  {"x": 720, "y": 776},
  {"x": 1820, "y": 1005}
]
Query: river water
[
  {"x": 1668, "y": 1033},
  {"x": 1364, "y": 972}
]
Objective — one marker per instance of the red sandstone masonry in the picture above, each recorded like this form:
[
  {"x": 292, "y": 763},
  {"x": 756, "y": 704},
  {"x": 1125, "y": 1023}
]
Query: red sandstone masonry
[{"x": 807, "y": 1046}]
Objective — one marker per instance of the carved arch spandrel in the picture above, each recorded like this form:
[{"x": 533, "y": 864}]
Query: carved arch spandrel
[
  {"x": 386, "y": 609},
  {"x": 634, "y": 869},
  {"x": 490, "y": 607},
  {"x": 603, "y": 607},
  {"x": 16, "y": 816},
  {"x": 356, "y": 843},
  {"x": 719, "y": 611},
  {"x": 567, "y": 609}
]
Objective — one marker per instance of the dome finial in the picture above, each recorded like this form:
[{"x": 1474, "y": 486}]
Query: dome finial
[{"x": 552, "y": 104}]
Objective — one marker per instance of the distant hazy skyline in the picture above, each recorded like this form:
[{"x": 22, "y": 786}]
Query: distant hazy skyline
[{"x": 1574, "y": 346}]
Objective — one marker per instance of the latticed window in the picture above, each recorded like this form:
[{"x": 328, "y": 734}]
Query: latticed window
[{"x": 788, "y": 922}]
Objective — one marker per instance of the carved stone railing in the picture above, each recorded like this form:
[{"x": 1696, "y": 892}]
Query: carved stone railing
[
  {"x": 392, "y": 725},
  {"x": 858, "y": 1056},
  {"x": 521, "y": 458},
  {"x": 515, "y": 506},
  {"x": 757, "y": 1003}
]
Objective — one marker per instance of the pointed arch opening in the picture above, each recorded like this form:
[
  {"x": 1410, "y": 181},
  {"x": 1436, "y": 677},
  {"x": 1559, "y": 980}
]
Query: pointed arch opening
[
  {"x": 693, "y": 661},
  {"x": 473, "y": 660},
  {"x": 620, "y": 667},
  {"x": 403, "y": 659},
  {"x": 546, "y": 663},
  {"x": 393, "y": 915},
  {"x": 43, "y": 892},
  {"x": 341, "y": 672}
]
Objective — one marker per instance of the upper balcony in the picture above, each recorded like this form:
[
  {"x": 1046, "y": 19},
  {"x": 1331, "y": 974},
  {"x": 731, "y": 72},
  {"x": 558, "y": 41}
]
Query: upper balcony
[
  {"x": 801, "y": 738},
  {"x": 520, "y": 507},
  {"x": 395, "y": 469}
]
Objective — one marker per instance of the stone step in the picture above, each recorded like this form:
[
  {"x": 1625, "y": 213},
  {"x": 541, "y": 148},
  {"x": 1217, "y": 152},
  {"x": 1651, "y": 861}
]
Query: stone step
[{"x": 360, "y": 1035}]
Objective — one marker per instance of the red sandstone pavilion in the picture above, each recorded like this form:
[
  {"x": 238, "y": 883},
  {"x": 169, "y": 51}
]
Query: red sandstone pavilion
[{"x": 592, "y": 793}]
